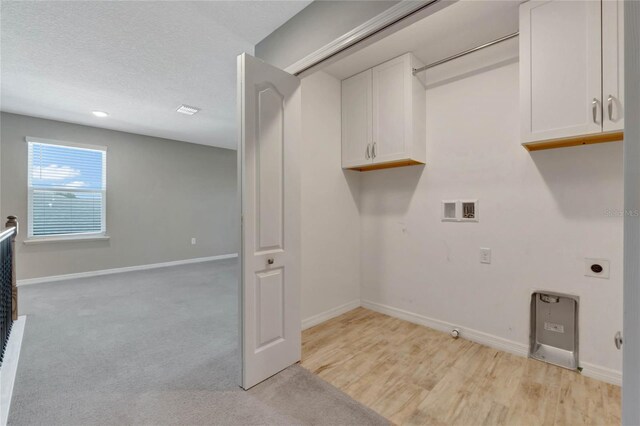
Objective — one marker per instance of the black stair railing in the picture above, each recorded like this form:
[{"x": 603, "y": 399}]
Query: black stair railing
[{"x": 8, "y": 289}]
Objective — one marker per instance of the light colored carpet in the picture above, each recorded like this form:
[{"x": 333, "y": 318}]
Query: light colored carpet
[{"x": 155, "y": 347}]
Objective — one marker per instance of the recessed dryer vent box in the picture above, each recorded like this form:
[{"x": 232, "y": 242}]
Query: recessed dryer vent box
[{"x": 554, "y": 329}]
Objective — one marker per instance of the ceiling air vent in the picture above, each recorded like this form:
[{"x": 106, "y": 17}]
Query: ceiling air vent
[{"x": 188, "y": 110}]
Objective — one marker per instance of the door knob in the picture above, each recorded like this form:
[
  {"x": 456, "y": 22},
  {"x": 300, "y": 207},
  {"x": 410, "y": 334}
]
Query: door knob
[
  {"x": 618, "y": 340},
  {"x": 270, "y": 261}
]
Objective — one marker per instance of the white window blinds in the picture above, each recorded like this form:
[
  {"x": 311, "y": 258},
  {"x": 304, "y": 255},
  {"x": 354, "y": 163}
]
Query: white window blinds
[{"x": 67, "y": 189}]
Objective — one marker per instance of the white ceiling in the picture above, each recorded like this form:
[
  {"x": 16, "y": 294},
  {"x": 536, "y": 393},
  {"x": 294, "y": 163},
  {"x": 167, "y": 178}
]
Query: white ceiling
[
  {"x": 454, "y": 29},
  {"x": 138, "y": 61}
]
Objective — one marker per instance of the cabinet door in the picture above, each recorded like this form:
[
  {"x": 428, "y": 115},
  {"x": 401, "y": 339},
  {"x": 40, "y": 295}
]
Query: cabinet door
[
  {"x": 613, "y": 64},
  {"x": 560, "y": 69},
  {"x": 391, "y": 109},
  {"x": 356, "y": 120}
]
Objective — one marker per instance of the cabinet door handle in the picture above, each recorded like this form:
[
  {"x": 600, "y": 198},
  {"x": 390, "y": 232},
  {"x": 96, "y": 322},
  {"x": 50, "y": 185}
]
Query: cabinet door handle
[
  {"x": 367, "y": 153},
  {"x": 594, "y": 109},
  {"x": 610, "y": 107},
  {"x": 373, "y": 150}
]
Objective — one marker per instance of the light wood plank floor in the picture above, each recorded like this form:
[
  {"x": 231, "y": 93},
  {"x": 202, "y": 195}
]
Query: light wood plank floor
[{"x": 415, "y": 375}]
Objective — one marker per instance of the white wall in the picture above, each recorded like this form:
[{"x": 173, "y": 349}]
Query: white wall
[
  {"x": 540, "y": 213},
  {"x": 330, "y": 218}
]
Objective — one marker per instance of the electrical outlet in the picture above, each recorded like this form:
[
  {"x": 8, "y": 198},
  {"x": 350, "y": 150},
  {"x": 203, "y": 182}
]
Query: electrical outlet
[
  {"x": 485, "y": 255},
  {"x": 193, "y": 241},
  {"x": 597, "y": 268}
]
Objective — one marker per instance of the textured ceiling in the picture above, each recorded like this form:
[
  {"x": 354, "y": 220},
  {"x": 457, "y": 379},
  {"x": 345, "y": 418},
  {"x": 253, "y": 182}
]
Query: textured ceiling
[{"x": 136, "y": 60}]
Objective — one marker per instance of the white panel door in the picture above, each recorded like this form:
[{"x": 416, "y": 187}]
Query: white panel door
[
  {"x": 613, "y": 64},
  {"x": 391, "y": 109},
  {"x": 356, "y": 120},
  {"x": 560, "y": 69},
  {"x": 270, "y": 131}
]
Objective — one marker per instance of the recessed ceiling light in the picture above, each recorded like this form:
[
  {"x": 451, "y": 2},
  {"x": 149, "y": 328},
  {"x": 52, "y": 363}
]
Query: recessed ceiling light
[
  {"x": 188, "y": 110},
  {"x": 101, "y": 114}
]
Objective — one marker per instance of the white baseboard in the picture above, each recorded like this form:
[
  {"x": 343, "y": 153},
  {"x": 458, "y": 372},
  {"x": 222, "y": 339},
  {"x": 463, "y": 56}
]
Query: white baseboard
[
  {"x": 601, "y": 373},
  {"x": 53, "y": 278},
  {"x": 10, "y": 367},
  {"x": 516, "y": 348},
  {"x": 469, "y": 334},
  {"x": 331, "y": 313}
]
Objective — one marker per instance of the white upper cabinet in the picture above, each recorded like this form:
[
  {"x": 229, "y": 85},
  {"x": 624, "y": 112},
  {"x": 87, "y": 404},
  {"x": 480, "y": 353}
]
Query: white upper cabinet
[
  {"x": 560, "y": 66},
  {"x": 613, "y": 64},
  {"x": 391, "y": 109},
  {"x": 383, "y": 116},
  {"x": 570, "y": 54},
  {"x": 356, "y": 120}
]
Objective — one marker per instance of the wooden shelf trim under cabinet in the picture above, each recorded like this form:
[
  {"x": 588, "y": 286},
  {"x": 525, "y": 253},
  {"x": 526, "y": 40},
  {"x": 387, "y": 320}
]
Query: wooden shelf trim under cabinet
[
  {"x": 574, "y": 141},
  {"x": 389, "y": 165}
]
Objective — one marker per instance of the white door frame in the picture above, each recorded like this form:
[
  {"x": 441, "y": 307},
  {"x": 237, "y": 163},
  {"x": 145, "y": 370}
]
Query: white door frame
[
  {"x": 631, "y": 335},
  {"x": 398, "y": 16}
]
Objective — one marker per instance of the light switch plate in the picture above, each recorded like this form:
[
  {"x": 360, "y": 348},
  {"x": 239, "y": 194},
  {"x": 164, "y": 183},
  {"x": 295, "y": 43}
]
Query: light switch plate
[
  {"x": 591, "y": 268},
  {"x": 485, "y": 255}
]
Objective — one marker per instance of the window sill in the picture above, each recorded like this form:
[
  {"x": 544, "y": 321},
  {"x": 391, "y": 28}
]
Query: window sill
[{"x": 65, "y": 239}]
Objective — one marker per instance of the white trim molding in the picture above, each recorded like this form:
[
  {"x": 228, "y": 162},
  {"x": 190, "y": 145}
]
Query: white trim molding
[
  {"x": 601, "y": 373},
  {"x": 516, "y": 348},
  {"x": 631, "y": 264},
  {"x": 68, "y": 238},
  {"x": 10, "y": 367},
  {"x": 87, "y": 274},
  {"x": 328, "y": 314},
  {"x": 384, "y": 19}
]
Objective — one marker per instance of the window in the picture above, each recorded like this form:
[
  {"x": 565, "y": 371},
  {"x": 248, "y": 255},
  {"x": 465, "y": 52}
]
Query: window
[{"x": 67, "y": 189}]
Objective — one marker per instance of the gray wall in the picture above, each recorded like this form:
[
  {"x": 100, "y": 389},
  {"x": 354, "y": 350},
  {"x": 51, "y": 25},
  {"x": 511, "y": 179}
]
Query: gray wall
[
  {"x": 316, "y": 25},
  {"x": 160, "y": 194}
]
